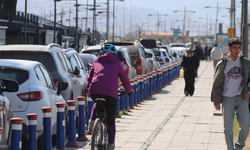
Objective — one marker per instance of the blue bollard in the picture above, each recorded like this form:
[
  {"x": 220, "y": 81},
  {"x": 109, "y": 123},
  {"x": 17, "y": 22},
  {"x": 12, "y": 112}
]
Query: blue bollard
[
  {"x": 118, "y": 104},
  {"x": 60, "y": 126},
  {"x": 90, "y": 106},
  {"x": 122, "y": 99},
  {"x": 131, "y": 97},
  {"x": 141, "y": 88},
  {"x": 32, "y": 124},
  {"x": 47, "y": 140},
  {"x": 72, "y": 124},
  {"x": 138, "y": 91},
  {"x": 16, "y": 134},
  {"x": 81, "y": 127}
]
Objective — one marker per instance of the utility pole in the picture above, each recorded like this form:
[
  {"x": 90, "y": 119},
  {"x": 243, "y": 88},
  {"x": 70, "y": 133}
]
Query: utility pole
[
  {"x": 113, "y": 36},
  {"x": 86, "y": 26},
  {"x": 245, "y": 27},
  {"x": 54, "y": 38},
  {"x": 184, "y": 21},
  {"x": 107, "y": 21},
  {"x": 25, "y": 26},
  {"x": 216, "y": 20},
  {"x": 76, "y": 32},
  {"x": 94, "y": 15},
  {"x": 69, "y": 15}
]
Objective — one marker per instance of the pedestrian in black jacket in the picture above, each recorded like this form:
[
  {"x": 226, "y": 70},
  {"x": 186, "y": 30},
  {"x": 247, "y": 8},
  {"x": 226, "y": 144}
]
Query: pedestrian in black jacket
[{"x": 190, "y": 65}]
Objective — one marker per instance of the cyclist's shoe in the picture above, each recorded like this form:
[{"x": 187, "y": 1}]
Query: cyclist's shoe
[
  {"x": 111, "y": 146},
  {"x": 90, "y": 127}
]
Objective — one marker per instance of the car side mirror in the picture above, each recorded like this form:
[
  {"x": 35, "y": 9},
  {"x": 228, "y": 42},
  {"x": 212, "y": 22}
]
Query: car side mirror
[
  {"x": 76, "y": 71},
  {"x": 61, "y": 86},
  {"x": 174, "y": 54},
  {"x": 9, "y": 85},
  {"x": 89, "y": 66}
]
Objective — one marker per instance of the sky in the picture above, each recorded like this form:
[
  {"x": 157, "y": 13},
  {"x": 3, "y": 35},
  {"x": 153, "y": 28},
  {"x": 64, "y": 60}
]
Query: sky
[{"x": 134, "y": 13}]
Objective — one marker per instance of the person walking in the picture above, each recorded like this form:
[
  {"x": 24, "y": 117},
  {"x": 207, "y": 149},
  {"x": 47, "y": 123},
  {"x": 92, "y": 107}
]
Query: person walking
[
  {"x": 190, "y": 64},
  {"x": 216, "y": 55},
  {"x": 230, "y": 88},
  {"x": 205, "y": 53},
  {"x": 209, "y": 53}
]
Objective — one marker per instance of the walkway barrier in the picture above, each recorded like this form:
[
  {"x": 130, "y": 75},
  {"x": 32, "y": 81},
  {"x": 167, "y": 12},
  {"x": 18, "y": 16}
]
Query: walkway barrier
[
  {"x": 72, "y": 124},
  {"x": 81, "y": 127},
  {"x": 60, "y": 126},
  {"x": 32, "y": 125},
  {"x": 143, "y": 87},
  {"x": 47, "y": 139},
  {"x": 16, "y": 134}
]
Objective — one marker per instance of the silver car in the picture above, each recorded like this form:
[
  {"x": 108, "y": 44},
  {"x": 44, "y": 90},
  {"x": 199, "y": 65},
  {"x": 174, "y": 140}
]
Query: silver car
[
  {"x": 152, "y": 59},
  {"x": 36, "y": 90}
]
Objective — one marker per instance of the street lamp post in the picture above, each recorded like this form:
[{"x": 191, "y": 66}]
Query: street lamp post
[
  {"x": 113, "y": 36},
  {"x": 217, "y": 9},
  {"x": 184, "y": 19},
  {"x": 25, "y": 26},
  {"x": 206, "y": 23},
  {"x": 54, "y": 38},
  {"x": 158, "y": 20}
]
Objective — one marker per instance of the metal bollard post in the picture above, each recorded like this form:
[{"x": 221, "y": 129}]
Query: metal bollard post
[
  {"x": 81, "y": 127},
  {"x": 60, "y": 126},
  {"x": 16, "y": 134},
  {"x": 118, "y": 104},
  {"x": 90, "y": 106},
  {"x": 138, "y": 91},
  {"x": 145, "y": 87},
  {"x": 47, "y": 140},
  {"x": 32, "y": 125},
  {"x": 141, "y": 88},
  {"x": 131, "y": 97},
  {"x": 122, "y": 99},
  {"x": 72, "y": 124}
]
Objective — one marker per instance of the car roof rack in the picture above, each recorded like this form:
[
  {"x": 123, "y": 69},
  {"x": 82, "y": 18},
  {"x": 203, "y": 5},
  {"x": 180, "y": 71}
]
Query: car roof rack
[{"x": 53, "y": 45}]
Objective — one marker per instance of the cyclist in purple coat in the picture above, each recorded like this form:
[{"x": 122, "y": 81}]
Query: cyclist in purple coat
[{"x": 103, "y": 83}]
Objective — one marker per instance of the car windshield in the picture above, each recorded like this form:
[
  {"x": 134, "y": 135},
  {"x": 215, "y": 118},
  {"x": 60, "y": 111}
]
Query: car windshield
[
  {"x": 44, "y": 58},
  {"x": 14, "y": 74}
]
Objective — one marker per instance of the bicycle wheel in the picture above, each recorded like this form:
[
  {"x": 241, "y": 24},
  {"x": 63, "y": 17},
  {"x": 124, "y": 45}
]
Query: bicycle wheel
[{"x": 97, "y": 136}]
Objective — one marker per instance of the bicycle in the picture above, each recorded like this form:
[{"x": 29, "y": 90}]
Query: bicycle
[{"x": 99, "y": 139}]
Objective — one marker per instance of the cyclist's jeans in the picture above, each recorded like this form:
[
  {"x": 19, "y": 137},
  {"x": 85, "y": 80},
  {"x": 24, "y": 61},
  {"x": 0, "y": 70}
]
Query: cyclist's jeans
[
  {"x": 230, "y": 105},
  {"x": 110, "y": 105}
]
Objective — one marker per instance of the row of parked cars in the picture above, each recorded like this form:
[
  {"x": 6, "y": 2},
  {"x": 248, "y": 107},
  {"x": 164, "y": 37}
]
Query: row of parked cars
[
  {"x": 141, "y": 57},
  {"x": 47, "y": 74}
]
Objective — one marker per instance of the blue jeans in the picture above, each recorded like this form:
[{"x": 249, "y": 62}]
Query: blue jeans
[
  {"x": 230, "y": 105},
  {"x": 215, "y": 62}
]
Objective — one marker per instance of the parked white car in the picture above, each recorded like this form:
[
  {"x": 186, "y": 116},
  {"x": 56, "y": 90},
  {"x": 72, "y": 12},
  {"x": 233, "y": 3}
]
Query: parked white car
[
  {"x": 152, "y": 59},
  {"x": 76, "y": 61},
  {"x": 36, "y": 90}
]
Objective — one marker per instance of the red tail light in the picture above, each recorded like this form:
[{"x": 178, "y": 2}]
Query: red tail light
[
  {"x": 79, "y": 75},
  {"x": 36, "y": 95},
  {"x": 166, "y": 59},
  {"x": 140, "y": 67},
  {"x": 58, "y": 80},
  {"x": 162, "y": 63},
  {"x": 125, "y": 66}
]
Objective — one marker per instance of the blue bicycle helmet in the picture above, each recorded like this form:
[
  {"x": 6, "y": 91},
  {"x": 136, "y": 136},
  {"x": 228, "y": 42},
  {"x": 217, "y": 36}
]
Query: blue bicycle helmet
[{"x": 108, "y": 48}]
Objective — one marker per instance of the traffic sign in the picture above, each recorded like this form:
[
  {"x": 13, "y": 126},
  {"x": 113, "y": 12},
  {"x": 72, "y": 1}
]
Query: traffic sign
[
  {"x": 175, "y": 32},
  {"x": 230, "y": 32}
]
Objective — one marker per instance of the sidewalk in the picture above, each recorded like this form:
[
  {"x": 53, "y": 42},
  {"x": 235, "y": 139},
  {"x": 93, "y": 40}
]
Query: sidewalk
[{"x": 171, "y": 121}]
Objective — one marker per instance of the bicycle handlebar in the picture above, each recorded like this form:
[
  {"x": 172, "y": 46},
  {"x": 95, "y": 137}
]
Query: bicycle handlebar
[{"x": 123, "y": 93}]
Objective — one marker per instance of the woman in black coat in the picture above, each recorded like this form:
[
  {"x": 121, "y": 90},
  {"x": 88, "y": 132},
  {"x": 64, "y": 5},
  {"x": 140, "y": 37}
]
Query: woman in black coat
[{"x": 190, "y": 64}]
